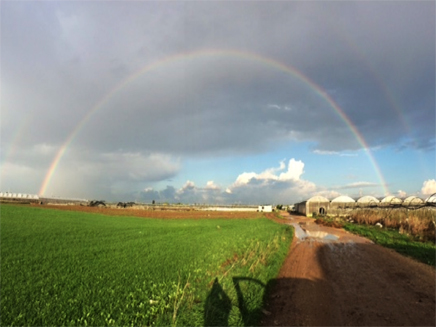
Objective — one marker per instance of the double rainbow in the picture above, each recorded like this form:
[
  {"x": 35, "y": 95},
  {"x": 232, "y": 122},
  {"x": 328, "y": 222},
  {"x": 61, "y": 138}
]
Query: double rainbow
[{"x": 213, "y": 53}]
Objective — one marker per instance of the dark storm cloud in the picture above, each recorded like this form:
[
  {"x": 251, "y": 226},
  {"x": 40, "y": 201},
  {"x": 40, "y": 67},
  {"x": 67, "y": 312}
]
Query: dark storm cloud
[
  {"x": 374, "y": 59},
  {"x": 188, "y": 193},
  {"x": 70, "y": 59},
  {"x": 198, "y": 112}
]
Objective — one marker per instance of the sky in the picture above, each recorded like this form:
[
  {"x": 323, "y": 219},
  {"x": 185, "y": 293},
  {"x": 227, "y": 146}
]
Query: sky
[{"x": 217, "y": 102}]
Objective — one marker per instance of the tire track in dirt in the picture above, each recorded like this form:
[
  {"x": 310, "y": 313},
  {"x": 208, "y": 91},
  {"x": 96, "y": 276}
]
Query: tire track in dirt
[{"x": 349, "y": 282}]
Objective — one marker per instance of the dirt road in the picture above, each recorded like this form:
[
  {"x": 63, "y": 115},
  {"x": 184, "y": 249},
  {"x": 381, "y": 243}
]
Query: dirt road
[{"x": 339, "y": 279}]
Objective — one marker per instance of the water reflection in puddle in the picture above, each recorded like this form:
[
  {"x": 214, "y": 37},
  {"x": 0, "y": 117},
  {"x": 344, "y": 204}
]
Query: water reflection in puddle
[{"x": 302, "y": 235}]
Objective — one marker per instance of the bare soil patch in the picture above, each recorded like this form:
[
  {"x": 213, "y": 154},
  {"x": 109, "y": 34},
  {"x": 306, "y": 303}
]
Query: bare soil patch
[
  {"x": 160, "y": 214},
  {"x": 349, "y": 282}
]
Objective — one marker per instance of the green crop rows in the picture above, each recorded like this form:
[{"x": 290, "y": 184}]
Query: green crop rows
[{"x": 69, "y": 268}]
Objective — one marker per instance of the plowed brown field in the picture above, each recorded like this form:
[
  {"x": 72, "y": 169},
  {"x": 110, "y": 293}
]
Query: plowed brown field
[{"x": 161, "y": 214}]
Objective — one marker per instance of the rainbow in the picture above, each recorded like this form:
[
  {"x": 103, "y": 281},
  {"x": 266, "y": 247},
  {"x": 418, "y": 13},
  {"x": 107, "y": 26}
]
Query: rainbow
[
  {"x": 360, "y": 54},
  {"x": 16, "y": 138},
  {"x": 393, "y": 104},
  {"x": 212, "y": 53}
]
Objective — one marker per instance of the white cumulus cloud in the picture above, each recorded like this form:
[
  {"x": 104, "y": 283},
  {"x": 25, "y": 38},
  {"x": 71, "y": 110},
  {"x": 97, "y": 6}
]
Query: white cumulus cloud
[
  {"x": 282, "y": 184},
  {"x": 210, "y": 185},
  {"x": 190, "y": 193},
  {"x": 293, "y": 173},
  {"x": 429, "y": 187},
  {"x": 401, "y": 194}
]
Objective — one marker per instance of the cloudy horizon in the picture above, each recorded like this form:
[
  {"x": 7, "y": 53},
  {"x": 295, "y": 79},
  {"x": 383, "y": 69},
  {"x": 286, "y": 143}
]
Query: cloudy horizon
[{"x": 217, "y": 102}]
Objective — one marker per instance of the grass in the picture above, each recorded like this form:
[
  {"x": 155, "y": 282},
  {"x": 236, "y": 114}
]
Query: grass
[
  {"x": 69, "y": 268},
  {"x": 419, "y": 223},
  {"x": 277, "y": 214},
  {"x": 409, "y": 232},
  {"x": 391, "y": 238}
]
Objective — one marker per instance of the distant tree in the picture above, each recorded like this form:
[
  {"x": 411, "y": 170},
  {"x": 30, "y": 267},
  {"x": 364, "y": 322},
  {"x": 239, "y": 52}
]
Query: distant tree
[{"x": 153, "y": 202}]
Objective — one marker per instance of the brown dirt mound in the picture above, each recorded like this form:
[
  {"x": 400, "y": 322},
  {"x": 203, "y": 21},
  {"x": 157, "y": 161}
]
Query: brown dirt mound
[{"x": 328, "y": 223}]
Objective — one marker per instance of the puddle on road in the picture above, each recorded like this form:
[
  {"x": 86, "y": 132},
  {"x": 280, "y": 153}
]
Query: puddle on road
[
  {"x": 322, "y": 235},
  {"x": 317, "y": 235}
]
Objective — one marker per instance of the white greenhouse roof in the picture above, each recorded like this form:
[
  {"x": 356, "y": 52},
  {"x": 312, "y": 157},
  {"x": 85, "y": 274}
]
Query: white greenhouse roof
[
  {"x": 368, "y": 199},
  {"x": 318, "y": 198},
  {"x": 431, "y": 198},
  {"x": 413, "y": 199},
  {"x": 391, "y": 199},
  {"x": 343, "y": 199},
  {"x": 18, "y": 195}
]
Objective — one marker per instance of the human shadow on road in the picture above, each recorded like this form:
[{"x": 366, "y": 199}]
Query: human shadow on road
[
  {"x": 271, "y": 311},
  {"x": 336, "y": 284},
  {"x": 218, "y": 304},
  {"x": 217, "y": 307},
  {"x": 375, "y": 286},
  {"x": 285, "y": 302},
  {"x": 249, "y": 317}
]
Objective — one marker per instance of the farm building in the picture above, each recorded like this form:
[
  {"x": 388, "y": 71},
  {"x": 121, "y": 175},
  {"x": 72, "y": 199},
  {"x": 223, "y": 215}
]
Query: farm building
[
  {"x": 265, "y": 208},
  {"x": 18, "y": 197},
  {"x": 318, "y": 205},
  {"x": 367, "y": 201},
  {"x": 344, "y": 201},
  {"x": 412, "y": 201},
  {"x": 389, "y": 200},
  {"x": 431, "y": 198},
  {"x": 341, "y": 205}
]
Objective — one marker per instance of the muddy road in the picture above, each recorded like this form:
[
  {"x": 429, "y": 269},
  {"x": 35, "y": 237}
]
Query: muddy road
[{"x": 334, "y": 278}]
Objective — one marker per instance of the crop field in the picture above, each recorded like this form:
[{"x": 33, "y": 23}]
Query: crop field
[{"x": 76, "y": 268}]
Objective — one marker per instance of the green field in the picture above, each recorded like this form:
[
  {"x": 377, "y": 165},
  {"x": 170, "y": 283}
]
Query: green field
[
  {"x": 391, "y": 238},
  {"x": 70, "y": 268}
]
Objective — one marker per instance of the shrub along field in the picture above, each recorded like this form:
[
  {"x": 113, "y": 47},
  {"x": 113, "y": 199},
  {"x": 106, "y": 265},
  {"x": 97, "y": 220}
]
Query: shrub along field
[
  {"x": 410, "y": 233},
  {"x": 70, "y": 268},
  {"x": 420, "y": 223}
]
